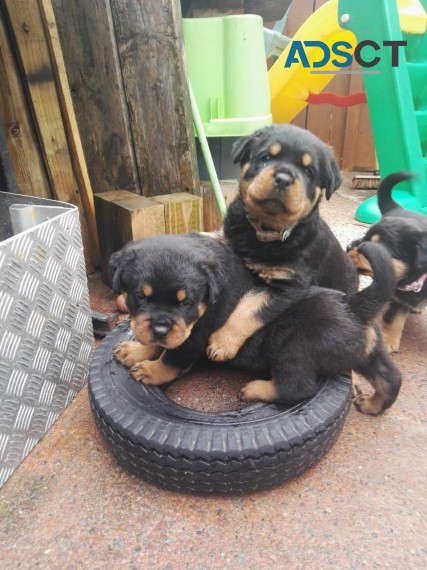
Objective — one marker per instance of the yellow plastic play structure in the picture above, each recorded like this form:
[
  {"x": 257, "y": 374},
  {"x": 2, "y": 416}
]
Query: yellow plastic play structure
[{"x": 290, "y": 87}]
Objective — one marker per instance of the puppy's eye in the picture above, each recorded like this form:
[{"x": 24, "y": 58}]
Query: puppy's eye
[
  {"x": 310, "y": 171},
  {"x": 264, "y": 158}
]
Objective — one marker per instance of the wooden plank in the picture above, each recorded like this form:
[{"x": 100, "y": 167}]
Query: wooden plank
[
  {"x": 359, "y": 147},
  {"x": 28, "y": 31},
  {"x": 328, "y": 121},
  {"x": 69, "y": 118},
  {"x": 183, "y": 212},
  {"x": 211, "y": 217},
  {"x": 124, "y": 216},
  {"x": 150, "y": 42},
  {"x": 87, "y": 37},
  {"x": 23, "y": 147},
  {"x": 298, "y": 14}
]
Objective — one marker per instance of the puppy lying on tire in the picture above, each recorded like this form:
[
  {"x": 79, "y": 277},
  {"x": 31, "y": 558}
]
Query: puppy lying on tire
[
  {"x": 180, "y": 289},
  {"x": 404, "y": 234}
]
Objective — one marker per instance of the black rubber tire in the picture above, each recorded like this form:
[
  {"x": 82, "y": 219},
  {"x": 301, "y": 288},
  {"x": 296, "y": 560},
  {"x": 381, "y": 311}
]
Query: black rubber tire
[{"x": 226, "y": 453}]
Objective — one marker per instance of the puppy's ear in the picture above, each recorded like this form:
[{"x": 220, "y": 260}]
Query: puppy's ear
[
  {"x": 116, "y": 265},
  {"x": 332, "y": 179},
  {"x": 215, "y": 279},
  {"x": 240, "y": 150},
  {"x": 115, "y": 270}
]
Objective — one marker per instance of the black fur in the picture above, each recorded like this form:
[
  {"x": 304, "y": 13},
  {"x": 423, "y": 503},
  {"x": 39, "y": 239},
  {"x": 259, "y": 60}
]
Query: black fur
[
  {"x": 311, "y": 251},
  {"x": 404, "y": 234},
  {"x": 322, "y": 334}
]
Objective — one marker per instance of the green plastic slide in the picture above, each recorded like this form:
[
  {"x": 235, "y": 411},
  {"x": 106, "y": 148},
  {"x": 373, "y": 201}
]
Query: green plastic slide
[{"x": 397, "y": 100}]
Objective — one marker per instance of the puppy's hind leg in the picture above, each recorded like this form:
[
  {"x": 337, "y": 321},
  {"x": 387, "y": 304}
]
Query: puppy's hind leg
[
  {"x": 292, "y": 381},
  {"x": 385, "y": 377},
  {"x": 259, "y": 391},
  {"x": 392, "y": 326}
]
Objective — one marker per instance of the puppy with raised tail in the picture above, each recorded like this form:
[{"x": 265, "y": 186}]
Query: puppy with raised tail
[{"x": 404, "y": 234}]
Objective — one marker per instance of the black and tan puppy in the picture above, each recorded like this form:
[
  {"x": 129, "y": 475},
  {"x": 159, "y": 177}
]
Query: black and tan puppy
[
  {"x": 182, "y": 288},
  {"x": 275, "y": 225},
  {"x": 178, "y": 290},
  {"x": 404, "y": 234}
]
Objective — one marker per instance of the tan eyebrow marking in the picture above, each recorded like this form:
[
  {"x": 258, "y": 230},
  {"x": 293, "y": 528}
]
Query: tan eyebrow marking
[
  {"x": 307, "y": 159},
  {"x": 147, "y": 290},
  {"x": 275, "y": 149},
  {"x": 181, "y": 294}
]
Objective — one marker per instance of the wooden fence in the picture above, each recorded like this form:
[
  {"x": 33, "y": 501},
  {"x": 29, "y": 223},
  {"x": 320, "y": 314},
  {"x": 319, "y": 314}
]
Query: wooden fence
[
  {"x": 347, "y": 130},
  {"x": 94, "y": 98}
]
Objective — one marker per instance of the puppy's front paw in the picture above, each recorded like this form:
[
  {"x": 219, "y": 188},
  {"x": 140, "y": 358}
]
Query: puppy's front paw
[
  {"x": 130, "y": 352},
  {"x": 153, "y": 372},
  {"x": 221, "y": 348}
]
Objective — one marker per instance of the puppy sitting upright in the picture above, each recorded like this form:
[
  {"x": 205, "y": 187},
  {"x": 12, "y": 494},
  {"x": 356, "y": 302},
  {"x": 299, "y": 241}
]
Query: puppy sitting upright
[
  {"x": 404, "y": 234},
  {"x": 275, "y": 225}
]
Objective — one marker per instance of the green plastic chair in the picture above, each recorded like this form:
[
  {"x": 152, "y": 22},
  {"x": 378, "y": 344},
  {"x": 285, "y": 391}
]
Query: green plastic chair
[{"x": 228, "y": 73}]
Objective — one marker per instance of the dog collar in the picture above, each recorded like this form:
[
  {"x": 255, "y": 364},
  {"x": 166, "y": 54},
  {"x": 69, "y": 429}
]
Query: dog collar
[
  {"x": 416, "y": 286},
  {"x": 271, "y": 235}
]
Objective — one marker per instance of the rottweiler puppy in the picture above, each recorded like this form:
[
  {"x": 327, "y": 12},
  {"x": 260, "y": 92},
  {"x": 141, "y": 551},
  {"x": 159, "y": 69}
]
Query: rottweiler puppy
[
  {"x": 180, "y": 289},
  {"x": 275, "y": 226},
  {"x": 404, "y": 234}
]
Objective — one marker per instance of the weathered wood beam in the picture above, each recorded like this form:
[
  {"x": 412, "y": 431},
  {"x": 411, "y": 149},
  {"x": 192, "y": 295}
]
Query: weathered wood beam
[
  {"x": 24, "y": 151},
  {"x": 150, "y": 42},
  {"x": 26, "y": 23},
  {"x": 88, "y": 42}
]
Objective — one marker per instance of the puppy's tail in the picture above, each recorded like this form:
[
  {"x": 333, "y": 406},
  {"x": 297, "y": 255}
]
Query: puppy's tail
[
  {"x": 368, "y": 303},
  {"x": 385, "y": 201}
]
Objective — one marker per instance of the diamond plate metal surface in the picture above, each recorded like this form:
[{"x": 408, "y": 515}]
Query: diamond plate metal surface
[{"x": 45, "y": 332}]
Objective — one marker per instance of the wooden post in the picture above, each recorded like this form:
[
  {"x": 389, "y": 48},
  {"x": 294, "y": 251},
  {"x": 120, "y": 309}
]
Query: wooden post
[
  {"x": 121, "y": 217},
  {"x": 183, "y": 212},
  {"x": 69, "y": 118},
  {"x": 211, "y": 217},
  {"x": 29, "y": 34},
  {"x": 150, "y": 43},
  {"x": 89, "y": 46},
  {"x": 24, "y": 150}
]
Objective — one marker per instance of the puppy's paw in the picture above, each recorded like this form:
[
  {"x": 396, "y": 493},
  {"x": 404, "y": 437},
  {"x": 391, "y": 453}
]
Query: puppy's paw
[
  {"x": 392, "y": 349},
  {"x": 356, "y": 387},
  {"x": 130, "y": 352},
  {"x": 153, "y": 372},
  {"x": 392, "y": 345},
  {"x": 221, "y": 348},
  {"x": 258, "y": 391},
  {"x": 354, "y": 244},
  {"x": 368, "y": 404}
]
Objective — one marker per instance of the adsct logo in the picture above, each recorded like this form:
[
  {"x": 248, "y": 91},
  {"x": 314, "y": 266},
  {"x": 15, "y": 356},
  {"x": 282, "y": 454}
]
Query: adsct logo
[{"x": 341, "y": 54}]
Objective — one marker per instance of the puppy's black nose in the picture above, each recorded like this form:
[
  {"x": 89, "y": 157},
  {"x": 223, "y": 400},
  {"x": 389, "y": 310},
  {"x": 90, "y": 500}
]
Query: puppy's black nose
[
  {"x": 161, "y": 329},
  {"x": 283, "y": 180}
]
